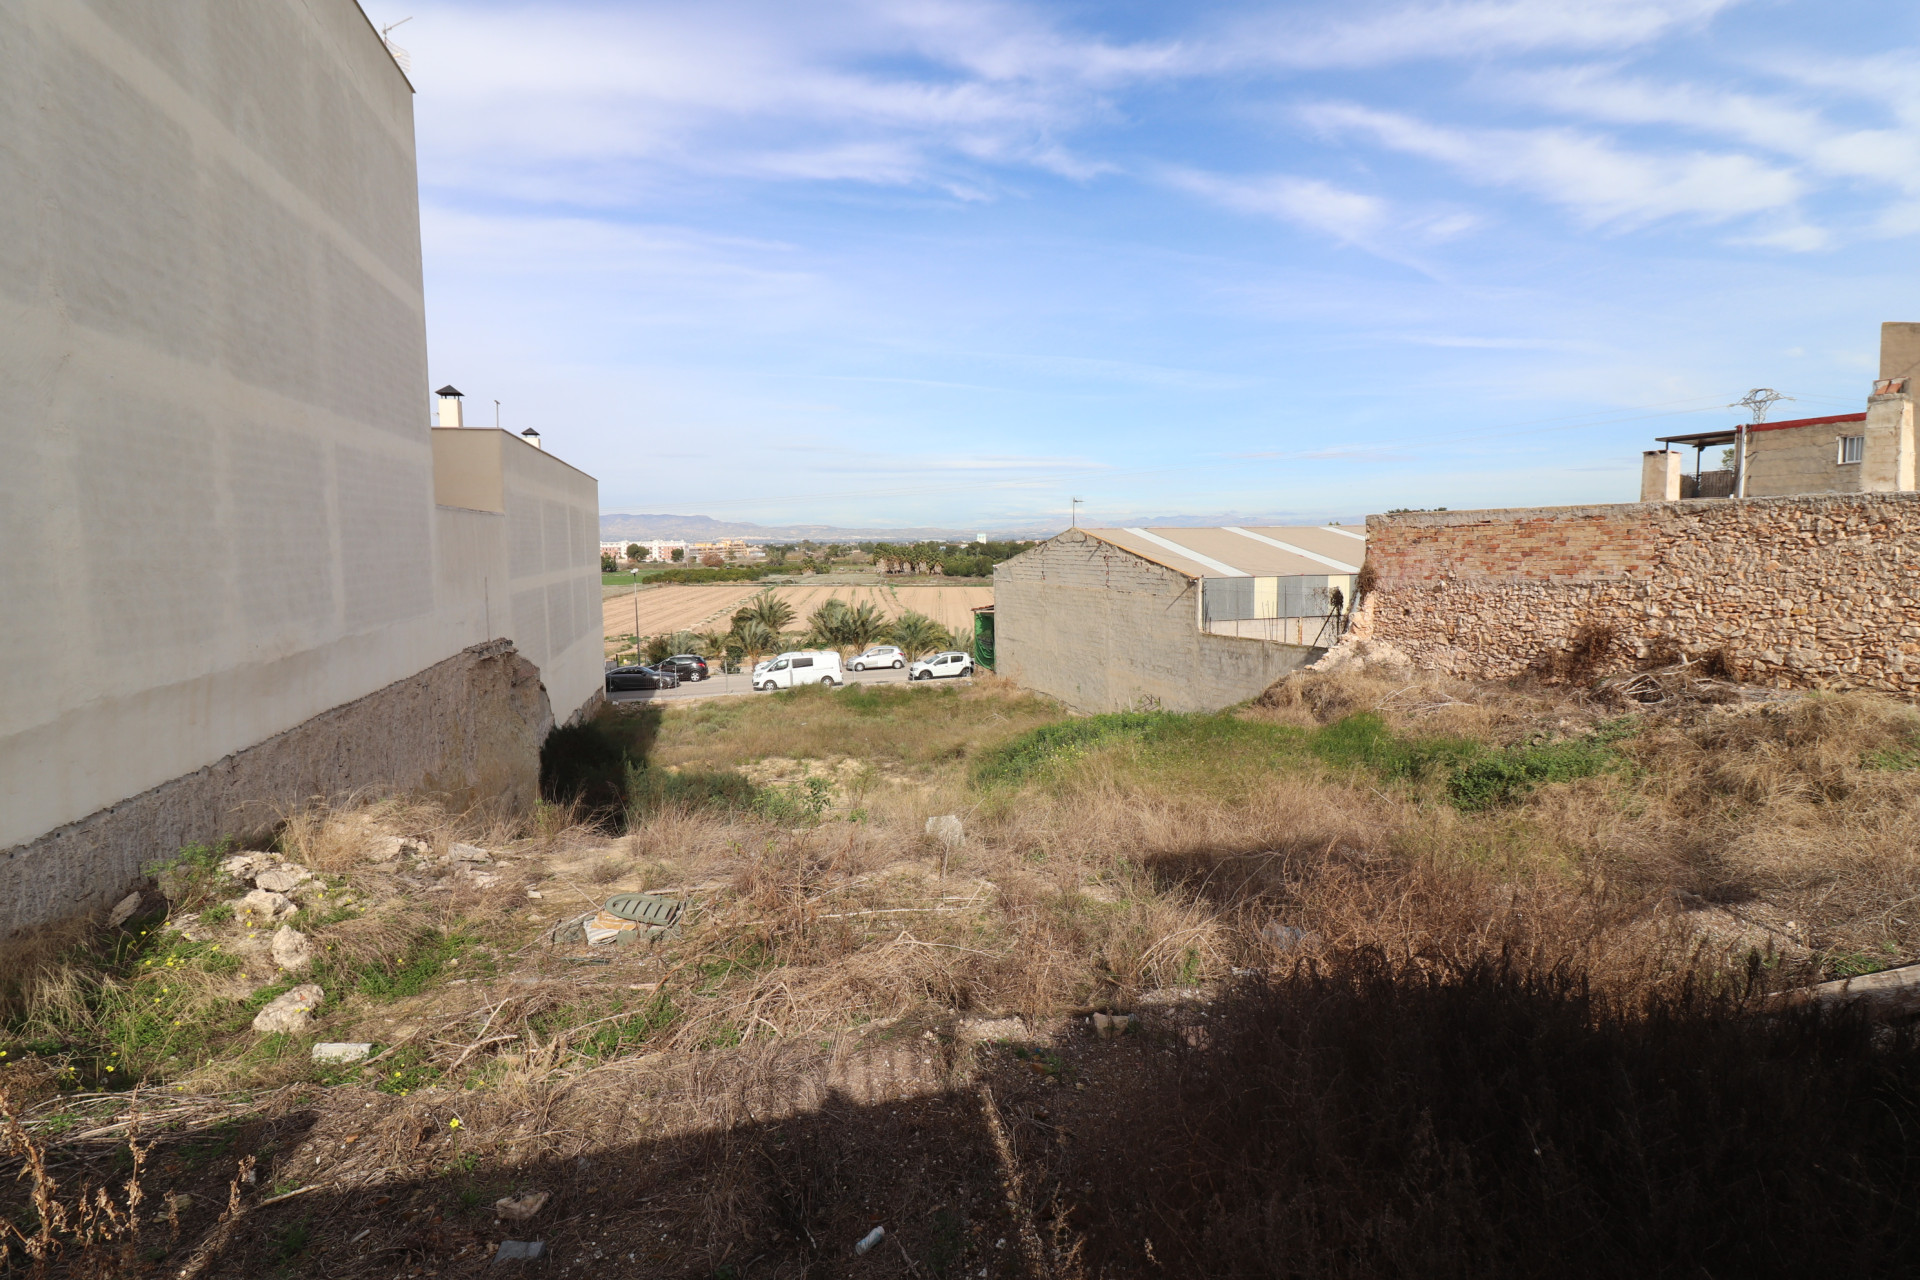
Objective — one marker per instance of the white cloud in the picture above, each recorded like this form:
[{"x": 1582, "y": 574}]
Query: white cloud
[
  {"x": 1464, "y": 28},
  {"x": 1797, "y": 238},
  {"x": 1595, "y": 178},
  {"x": 1309, "y": 203},
  {"x": 895, "y": 94},
  {"x": 1768, "y": 122}
]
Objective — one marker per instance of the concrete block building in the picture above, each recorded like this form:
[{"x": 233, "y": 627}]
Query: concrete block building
[
  {"x": 1868, "y": 452},
  {"x": 240, "y": 567},
  {"x": 1180, "y": 619}
]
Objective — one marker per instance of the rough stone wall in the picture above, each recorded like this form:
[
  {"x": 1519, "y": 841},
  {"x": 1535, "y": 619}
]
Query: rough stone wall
[
  {"x": 1815, "y": 591},
  {"x": 1100, "y": 629},
  {"x": 468, "y": 728}
]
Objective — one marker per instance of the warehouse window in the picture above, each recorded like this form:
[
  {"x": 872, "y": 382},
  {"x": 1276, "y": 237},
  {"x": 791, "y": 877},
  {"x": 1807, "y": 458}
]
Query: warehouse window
[{"x": 1852, "y": 448}]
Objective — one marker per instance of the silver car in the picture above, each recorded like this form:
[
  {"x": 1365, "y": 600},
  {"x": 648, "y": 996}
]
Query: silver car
[
  {"x": 880, "y": 655},
  {"x": 951, "y": 663}
]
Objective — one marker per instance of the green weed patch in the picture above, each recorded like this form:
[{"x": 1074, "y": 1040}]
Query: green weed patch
[
  {"x": 651, "y": 789},
  {"x": 1052, "y": 745},
  {"x": 1211, "y": 749}
]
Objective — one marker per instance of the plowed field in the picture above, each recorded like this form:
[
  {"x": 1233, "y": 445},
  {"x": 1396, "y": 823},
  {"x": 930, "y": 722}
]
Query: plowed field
[{"x": 703, "y": 608}]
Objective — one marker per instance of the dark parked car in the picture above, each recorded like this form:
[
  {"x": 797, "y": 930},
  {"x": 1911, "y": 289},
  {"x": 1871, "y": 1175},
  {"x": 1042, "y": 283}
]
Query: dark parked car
[
  {"x": 640, "y": 678},
  {"x": 688, "y": 666}
]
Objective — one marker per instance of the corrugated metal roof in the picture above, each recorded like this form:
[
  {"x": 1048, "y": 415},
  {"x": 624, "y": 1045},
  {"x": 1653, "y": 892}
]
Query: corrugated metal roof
[{"x": 1241, "y": 552}]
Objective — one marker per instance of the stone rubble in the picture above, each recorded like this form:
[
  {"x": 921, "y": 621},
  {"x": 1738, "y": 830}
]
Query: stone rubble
[{"x": 290, "y": 1013}]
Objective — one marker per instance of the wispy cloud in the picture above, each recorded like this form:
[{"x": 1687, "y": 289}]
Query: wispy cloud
[
  {"x": 1308, "y": 203},
  {"x": 1380, "y": 34},
  {"x": 1595, "y": 178}
]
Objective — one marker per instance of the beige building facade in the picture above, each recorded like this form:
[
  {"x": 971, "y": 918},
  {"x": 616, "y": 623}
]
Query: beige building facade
[
  {"x": 1173, "y": 619},
  {"x": 219, "y": 488},
  {"x": 1868, "y": 452}
]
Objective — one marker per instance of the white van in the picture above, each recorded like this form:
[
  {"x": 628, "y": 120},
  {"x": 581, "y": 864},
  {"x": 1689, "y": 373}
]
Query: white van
[{"x": 807, "y": 666}]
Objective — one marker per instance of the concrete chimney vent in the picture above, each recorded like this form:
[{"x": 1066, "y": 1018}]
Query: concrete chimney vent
[
  {"x": 450, "y": 415},
  {"x": 532, "y": 437}
]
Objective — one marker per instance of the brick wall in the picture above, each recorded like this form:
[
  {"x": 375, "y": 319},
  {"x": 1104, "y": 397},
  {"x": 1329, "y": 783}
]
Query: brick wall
[
  {"x": 1102, "y": 629},
  {"x": 1811, "y": 591}
]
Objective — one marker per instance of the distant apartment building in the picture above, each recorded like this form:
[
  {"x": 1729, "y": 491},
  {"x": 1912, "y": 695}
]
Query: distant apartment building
[
  {"x": 257, "y": 573},
  {"x": 1868, "y": 452},
  {"x": 660, "y": 550},
  {"x": 725, "y": 548}
]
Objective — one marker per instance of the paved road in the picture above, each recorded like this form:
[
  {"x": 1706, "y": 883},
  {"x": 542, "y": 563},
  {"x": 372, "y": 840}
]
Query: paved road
[{"x": 721, "y": 686}]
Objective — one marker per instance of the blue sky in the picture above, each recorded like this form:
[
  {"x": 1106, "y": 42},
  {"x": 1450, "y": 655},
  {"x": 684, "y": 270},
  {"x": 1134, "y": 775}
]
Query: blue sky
[{"x": 952, "y": 263}]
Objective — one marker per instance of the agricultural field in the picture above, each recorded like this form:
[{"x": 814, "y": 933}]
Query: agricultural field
[
  {"x": 1384, "y": 974},
  {"x": 698, "y": 608}
]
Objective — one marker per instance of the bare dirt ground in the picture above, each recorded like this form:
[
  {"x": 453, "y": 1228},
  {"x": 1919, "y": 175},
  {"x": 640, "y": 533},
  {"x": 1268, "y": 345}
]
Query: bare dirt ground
[{"x": 699, "y": 608}]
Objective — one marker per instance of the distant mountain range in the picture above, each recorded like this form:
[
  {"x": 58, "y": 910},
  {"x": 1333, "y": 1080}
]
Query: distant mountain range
[{"x": 640, "y": 528}]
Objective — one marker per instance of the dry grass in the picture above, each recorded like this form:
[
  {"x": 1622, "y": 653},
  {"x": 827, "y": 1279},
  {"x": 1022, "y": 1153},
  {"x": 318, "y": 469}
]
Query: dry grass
[{"x": 844, "y": 957}]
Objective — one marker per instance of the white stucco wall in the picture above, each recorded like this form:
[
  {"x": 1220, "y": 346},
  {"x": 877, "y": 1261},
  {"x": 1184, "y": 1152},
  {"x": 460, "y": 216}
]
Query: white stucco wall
[
  {"x": 1102, "y": 629},
  {"x": 519, "y": 537},
  {"x": 217, "y": 512}
]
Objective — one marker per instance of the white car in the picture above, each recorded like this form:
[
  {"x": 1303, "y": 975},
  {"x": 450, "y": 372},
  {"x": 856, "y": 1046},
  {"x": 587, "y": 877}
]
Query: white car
[
  {"x": 950, "y": 663},
  {"x": 789, "y": 670},
  {"x": 881, "y": 655}
]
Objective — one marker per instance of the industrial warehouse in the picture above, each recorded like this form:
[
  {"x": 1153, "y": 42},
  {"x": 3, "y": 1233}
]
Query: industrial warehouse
[{"x": 1179, "y": 619}]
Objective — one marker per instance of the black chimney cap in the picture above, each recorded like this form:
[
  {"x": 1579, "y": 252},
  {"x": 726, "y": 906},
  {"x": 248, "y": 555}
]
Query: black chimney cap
[
  {"x": 529, "y": 432},
  {"x": 449, "y": 390}
]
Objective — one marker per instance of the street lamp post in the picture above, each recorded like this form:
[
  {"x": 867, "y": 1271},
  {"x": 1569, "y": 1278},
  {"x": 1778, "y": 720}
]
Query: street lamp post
[{"x": 636, "y": 614}]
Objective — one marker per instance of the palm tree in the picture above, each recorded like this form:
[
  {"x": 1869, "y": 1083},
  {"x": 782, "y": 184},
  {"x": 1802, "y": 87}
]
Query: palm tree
[
  {"x": 711, "y": 642},
  {"x": 918, "y": 635},
  {"x": 863, "y": 624},
  {"x": 826, "y": 626},
  {"x": 769, "y": 610},
  {"x": 684, "y": 642},
  {"x": 756, "y": 638}
]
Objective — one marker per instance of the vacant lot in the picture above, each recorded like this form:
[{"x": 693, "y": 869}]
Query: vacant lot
[
  {"x": 699, "y": 608},
  {"x": 1425, "y": 978}
]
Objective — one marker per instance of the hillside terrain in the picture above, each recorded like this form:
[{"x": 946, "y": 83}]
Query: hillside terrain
[{"x": 1383, "y": 974}]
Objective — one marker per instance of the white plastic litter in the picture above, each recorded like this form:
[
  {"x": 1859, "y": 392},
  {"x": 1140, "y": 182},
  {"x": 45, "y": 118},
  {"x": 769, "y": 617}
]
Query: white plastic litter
[{"x": 871, "y": 1239}]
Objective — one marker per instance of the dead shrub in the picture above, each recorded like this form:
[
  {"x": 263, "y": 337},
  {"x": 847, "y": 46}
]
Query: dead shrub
[{"x": 1586, "y": 653}]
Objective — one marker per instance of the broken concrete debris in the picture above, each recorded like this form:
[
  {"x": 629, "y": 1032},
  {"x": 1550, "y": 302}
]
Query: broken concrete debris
[
  {"x": 1288, "y": 937},
  {"x": 520, "y": 1251},
  {"x": 974, "y": 1030},
  {"x": 123, "y": 910},
  {"x": 292, "y": 950},
  {"x": 281, "y": 879},
  {"x": 521, "y": 1207},
  {"x": 265, "y": 903},
  {"x": 947, "y": 830},
  {"x": 291, "y": 1013},
  {"x": 1108, "y": 1026},
  {"x": 342, "y": 1052},
  {"x": 625, "y": 918},
  {"x": 468, "y": 853}
]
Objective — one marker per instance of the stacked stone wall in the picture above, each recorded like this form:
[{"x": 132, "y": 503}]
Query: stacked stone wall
[{"x": 1813, "y": 591}]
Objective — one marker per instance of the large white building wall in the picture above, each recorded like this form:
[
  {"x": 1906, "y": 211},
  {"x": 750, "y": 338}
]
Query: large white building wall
[
  {"x": 217, "y": 505},
  {"x": 521, "y": 531},
  {"x": 217, "y": 490}
]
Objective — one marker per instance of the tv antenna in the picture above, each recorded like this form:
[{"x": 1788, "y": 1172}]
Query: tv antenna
[
  {"x": 1074, "y": 517},
  {"x": 400, "y": 55},
  {"x": 1760, "y": 399}
]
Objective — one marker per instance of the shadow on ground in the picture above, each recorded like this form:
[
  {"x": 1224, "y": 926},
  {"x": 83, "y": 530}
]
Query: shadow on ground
[{"x": 1368, "y": 1118}]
